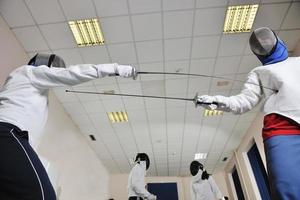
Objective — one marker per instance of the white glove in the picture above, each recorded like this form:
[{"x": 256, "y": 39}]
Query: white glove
[
  {"x": 152, "y": 197},
  {"x": 208, "y": 102},
  {"x": 126, "y": 71}
]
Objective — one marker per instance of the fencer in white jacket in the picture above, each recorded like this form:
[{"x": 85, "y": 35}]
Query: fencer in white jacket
[
  {"x": 24, "y": 109},
  {"x": 136, "y": 180},
  {"x": 277, "y": 84},
  {"x": 203, "y": 186}
]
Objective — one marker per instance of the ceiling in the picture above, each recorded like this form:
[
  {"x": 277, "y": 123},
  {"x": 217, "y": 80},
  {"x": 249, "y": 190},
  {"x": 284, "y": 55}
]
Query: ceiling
[{"x": 153, "y": 35}]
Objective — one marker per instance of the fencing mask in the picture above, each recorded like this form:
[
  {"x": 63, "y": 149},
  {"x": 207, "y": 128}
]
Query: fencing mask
[
  {"x": 51, "y": 60},
  {"x": 195, "y": 166},
  {"x": 143, "y": 157},
  {"x": 267, "y": 46}
]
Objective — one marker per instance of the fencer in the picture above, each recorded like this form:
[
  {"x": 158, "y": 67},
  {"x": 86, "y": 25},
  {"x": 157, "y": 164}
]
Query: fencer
[
  {"x": 24, "y": 109},
  {"x": 281, "y": 130},
  {"x": 136, "y": 180},
  {"x": 203, "y": 186}
]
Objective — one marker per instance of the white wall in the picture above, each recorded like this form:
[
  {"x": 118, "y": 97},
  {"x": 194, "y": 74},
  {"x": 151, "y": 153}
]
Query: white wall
[
  {"x": 118, "y": 185},
  {"x": 81, "y": 174}
]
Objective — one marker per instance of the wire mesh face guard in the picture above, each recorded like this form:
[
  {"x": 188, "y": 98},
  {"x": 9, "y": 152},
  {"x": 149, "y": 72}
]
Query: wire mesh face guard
[
  {"x": 50, "y": 60},
  {"x": 194, "y": 167},
  {"x": 143, "y": 157},
  {"x": 263, "y": 42}
]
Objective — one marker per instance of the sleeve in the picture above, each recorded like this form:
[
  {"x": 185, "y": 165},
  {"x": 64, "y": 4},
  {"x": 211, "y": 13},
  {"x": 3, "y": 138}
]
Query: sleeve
[
  {"x": 215, "y": 188},
  {"x": 45, "y": 78},
  {"x": 138, "y": 183},
  {"x": 193, "y": 195},
  {"x": 249, "y": 97}
]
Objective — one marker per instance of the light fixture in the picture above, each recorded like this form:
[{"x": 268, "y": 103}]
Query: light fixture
[
  {"x": 200, "y": 156},
  {"x": 240, "y": 18},
  {"x": 119, "y": 116},
  {"x": 208, "y": 113},
  {"x": 87, "y": 32},
  {"x": 222, "y": 83}
]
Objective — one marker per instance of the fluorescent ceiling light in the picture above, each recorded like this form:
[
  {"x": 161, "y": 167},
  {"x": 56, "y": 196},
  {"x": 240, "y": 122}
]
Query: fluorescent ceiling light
[
  {"x": 87, "y": 32},
  {"x": 120, "y": 116},
  {"x": 200, "y": 156},
  {"x": 240, "y": 18},
  {"x": 208, "y": 113}
]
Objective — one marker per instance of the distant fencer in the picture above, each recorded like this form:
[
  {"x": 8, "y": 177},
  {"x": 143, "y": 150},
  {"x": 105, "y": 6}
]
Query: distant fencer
[
  {"x": 276, "y": 83},
  {"x": 136, "y": 180},
  {"x": 203, "y": 186},
  {"x": 24, "y": 109}
]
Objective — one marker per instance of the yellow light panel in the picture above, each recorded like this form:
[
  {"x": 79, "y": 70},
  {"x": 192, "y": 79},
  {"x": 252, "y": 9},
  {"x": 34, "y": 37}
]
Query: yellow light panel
[
  {"x": 119, "y": 116},
  {"x": 209, "y": 113},
  {"x": 240, "y": 18},
  {"x": 87, "y": 32}
]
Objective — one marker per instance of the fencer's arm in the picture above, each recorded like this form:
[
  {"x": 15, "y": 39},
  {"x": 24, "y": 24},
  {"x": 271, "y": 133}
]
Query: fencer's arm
[
  {"x": 215, "y": 188},
  {"x": 138, "y": 184},
  {"x": 249, "y": 97},
  {"x": 45, "y": 77},
  {"x": 192, "y": 192}
]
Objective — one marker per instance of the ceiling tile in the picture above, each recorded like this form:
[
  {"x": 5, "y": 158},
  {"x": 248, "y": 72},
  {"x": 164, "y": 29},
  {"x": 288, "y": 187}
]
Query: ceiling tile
[
  {"x": 198, "y": 85},
  {"x": 233, "y": 44},
  {"x": 211, "y": 3},
  {"x": 149, "y": 51},
  {"x": 111, "y": 8},
  {"x": 25, "y": 36},
  {"x": 107, "y": 87},
  {"x": 275, "y": 1},
  {"x": 147, "y": 27},
  {"x": 58, "y": 35},
  {"x": 206, "y": 46},
  {"x": 79, "y": 10},
  {"x": 178, "y": 4},
  {"x": 70, "y": 56},
  {"x": 156, "y": 87},
  {"x": 73, "y": 108},
  {"x": 181, "y": 66},
  {"x": 116, "y": 29},
  {"x": 20, "y": 18},
  {"x": 132, "y": 103},
  {"x": 113, "y": 105},
  {"x": 131, "y": 88},
  {"x": 122, "y": 53},
  {"x": 151, "y": 67},
  {"x": 291, "y": 38},
  {"x": 203, "y": 66},
  {"x": 86, "y": 97},
  {"x": 214, "y": 83},
  {"x": 270, "y": 15},
  {"x": 227, "y": 65},
  {"x": 94, "y": 55},
  {"x": 248, "y": 63},
  {"x": 244, "y": 2},
  {"x": 144, "y": 6},
  {"x": 212, "y": 26},
  {"x": 45, "y": 11},
  {"x": 292, "y": 18},
  {"x": 175, "y": 86},
  {"x": 92, "y": 107},
  {"x": 63, "y": 97},
  {"x": 172, "y": 20},
  {"x": 177, "y": 49}
]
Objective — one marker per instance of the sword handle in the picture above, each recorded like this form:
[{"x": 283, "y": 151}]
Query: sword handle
[{"x": 204, "y": 103}]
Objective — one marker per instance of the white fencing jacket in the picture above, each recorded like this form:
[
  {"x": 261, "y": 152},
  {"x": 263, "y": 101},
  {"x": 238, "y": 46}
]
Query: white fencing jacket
[
  {"x": 24, "y": 96},
  {"x": 283, "y": 77},
  {"x": 136, "y": 182},
  {"x": 204, "y": 189}
]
